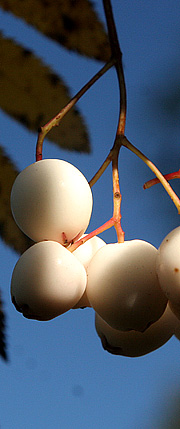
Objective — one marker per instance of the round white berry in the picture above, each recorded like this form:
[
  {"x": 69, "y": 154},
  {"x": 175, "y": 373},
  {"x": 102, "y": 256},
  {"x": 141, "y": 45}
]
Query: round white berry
[
  {"x": 168, "y": 267},
  {"x": 133, "y": 343},
  {"x": 47, "y": 281},
  {"x": 177, "y": 327},
  {"x": 123, "y": 287},
  {"x": 86, "y": 251},
  {"x": 51, "y": 200}
]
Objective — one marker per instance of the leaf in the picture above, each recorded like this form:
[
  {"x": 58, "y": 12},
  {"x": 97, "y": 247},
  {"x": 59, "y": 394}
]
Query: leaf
[
  {"x": 33, "y": 95},
  {"x": 3, "y": 352},
  {"x": 9, "y": 231},
  {"x": 72, "y": 23}
]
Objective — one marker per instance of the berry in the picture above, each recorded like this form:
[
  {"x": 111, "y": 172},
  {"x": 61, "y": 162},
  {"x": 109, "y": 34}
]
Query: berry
[
  {"x": 133, "y": 343},
  {"x": 177, "y": 329},
  {"x": 123, "y": 287},
  {"x": 84, "y": 253},
  {"x": 51, "y": 200},
  {"x": 175, "y": 307},
  {"x": 47, "y": 281},
  {"x": 168, "y": 268}
]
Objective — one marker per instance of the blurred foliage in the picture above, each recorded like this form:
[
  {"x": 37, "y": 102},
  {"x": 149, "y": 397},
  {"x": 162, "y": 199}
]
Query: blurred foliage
[
  {"x": 9, "y": 231},
  {"x": 32, "y": 94},
  {"x": 72, "y": 23}
]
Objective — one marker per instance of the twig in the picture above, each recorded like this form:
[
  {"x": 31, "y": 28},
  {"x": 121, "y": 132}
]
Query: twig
[
  {"x": 56, "y": 120},
  {"x": 155, "y": 170},
  {"x": 170, "y": 176},
  {"x": 117, "y": 55},
  {"x": 114, "y": 153},
  {"x": 87, "y": 237}
]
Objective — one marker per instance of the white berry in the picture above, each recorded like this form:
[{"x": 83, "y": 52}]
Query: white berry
[
  {"x": 123, "y": 287},
  {"x": 133, "y": 343},
  {"x": 168, "y": 268},
  {"x": 86, "y": 251},
  {"x": 47, "y": 281},
  {"x": 175, "y": 307},
  {"x": 51, "y": 200}
]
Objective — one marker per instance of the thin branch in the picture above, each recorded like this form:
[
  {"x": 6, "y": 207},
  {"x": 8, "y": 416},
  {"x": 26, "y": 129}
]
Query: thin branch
[
  {"x": 114, "y": 154},
  {"x": 170, "y": 176},
  {"x": 82, "y": 240},
  {"x": 117, "y": 55},
  {"x": 155, "y": 170},
  {"x": 117, "y": 198},
  {"x": 56, "y": 120},
  {"x": 101, "y": 170}
]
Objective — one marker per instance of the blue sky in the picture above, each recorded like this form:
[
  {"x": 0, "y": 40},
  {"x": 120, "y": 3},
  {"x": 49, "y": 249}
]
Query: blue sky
[{"x": 58, "y": 374}]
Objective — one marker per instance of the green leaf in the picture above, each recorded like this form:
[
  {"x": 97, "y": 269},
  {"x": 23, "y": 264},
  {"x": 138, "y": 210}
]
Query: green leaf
[
  {"x": 9, "y": 231},
  {"x": 33, "y": 95},
  {"x": 72, "y": 23}
]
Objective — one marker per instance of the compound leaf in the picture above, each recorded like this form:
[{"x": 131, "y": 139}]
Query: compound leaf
[
  {"x": 32, "y": 94},
  {"x": 72, "y": 23}
]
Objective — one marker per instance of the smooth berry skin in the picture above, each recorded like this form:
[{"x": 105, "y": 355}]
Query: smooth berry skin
[
  {"x": 175, "y": 307},
  {"x": 47, "y": 281},
  {"x": 86, "y": 251},
  {"x": 123, "y": 287},
  {"x": 84, "y": 254},
  {"x": 177, "y": 327},
  {"x": 133, "y": 343},
  {"x": 168, "y": 268},
  {"x": 51, "y": 200}
]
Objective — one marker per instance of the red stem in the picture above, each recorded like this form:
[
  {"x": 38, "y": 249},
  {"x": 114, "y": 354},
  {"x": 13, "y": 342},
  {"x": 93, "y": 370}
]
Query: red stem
[
  {"x": 170, "y": 176},
  {"x": 87, "y": 237}
]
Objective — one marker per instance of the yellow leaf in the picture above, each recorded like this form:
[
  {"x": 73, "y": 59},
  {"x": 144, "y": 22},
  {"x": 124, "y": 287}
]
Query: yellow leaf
[
  {"x": 73, "y": 23},
  {"x": 33, "y": 95}
]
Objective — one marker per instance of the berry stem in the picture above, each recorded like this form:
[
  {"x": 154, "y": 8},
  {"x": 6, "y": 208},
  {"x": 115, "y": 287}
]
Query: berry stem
[
  {"x": 117, "y": 55},
  {"x": 114, "y": 154},
  {"x": 155, "y": 170},
  {"x": 170, "y": 176},
  {"x": 97, "y": 231},
  {"x": 101, "y": 170},
  {"x": 43, "y": 131},
  {"x": 117, "y": 198}
]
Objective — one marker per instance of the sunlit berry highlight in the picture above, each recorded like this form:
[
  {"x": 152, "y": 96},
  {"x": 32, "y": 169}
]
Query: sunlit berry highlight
[
  {"x": 123, "y": 286},
  {"x": 51, "y": 200}
]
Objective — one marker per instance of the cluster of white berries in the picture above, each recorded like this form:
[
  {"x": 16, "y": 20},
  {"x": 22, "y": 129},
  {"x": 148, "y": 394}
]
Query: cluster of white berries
[{"x": 127, "y": 284}]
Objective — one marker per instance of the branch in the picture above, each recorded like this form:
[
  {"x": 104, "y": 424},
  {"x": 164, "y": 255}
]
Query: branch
[
  {"x": 117, "y": 55},
  {"x": 87, "y": 237},
  {"x": 170, "y": 176},
  {"x": 155, "y": 170},
  {"x": 56, "y": 120}
]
